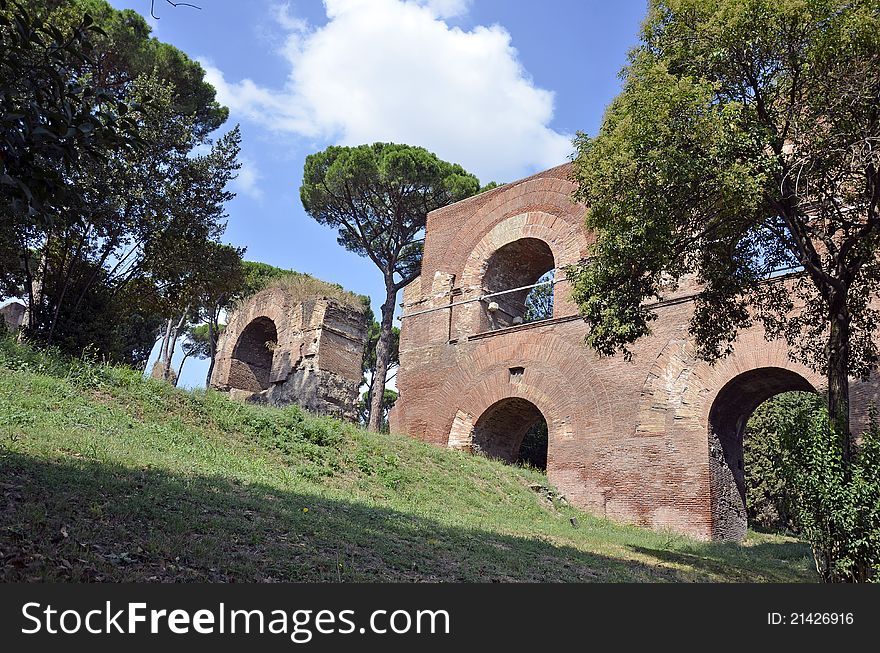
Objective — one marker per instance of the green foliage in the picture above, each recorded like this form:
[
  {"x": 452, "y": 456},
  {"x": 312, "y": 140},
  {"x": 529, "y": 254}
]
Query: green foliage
[
  {"x": 533, "y": 449},
  {"x": 389, "y": 398},
  {"x": 51, "y": 123},
  {"x": 539, "y": 301},
  {"x": 121, "y": 216},
  {"x": 378, "y": 198},
  {"x": 197, "y": 344},
  {"x": 740, "y": 144},
  {"x": 837, "y": 502},
  {"x": 369, "y": 361},
  {"x": 258, "y": 276},
  {"x": 125, "y": 51},
  {"x": 770, "y": 501},
  {"x": 120, "y": 325}
]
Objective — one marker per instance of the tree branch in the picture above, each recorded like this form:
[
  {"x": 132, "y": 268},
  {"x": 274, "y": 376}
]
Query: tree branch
[{"x": 173, "y": 4}]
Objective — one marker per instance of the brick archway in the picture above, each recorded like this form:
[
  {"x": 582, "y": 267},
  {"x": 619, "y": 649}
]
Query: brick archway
[
  {"x": 571, "y": 398},
  {"x": 251, "y": 365},
  {"x": 563, "y": 241},
  {"x": 687, "y": 401},
  {"x": 499, "y": 430},
  {"x": 733, "y": 405},
  {"x": 548, "y": 193}
]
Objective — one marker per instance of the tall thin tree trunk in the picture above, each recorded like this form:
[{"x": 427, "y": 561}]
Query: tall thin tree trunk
[
  {"x": 31, "y": 293},
  {"x": 180, "y": 369},
  {"x": 212, "y": 347},
  {"x": 175, "y": 334},
  {"x": 163, "y": 349},
  {"x": 838, "y": 376},
  {"x": 383, "y": 353}
]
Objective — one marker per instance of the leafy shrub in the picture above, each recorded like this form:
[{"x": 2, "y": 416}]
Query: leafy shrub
[
  {"x": 836, "y": 502},
  {"x": 768, "y": 499}
]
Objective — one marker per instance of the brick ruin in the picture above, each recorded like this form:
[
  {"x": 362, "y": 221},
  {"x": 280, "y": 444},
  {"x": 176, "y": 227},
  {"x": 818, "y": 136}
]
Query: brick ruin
[
  {"x": 13, "y": 315},
  {"x": 279, "y": 350},
  {"x": 656, "y": 441}
]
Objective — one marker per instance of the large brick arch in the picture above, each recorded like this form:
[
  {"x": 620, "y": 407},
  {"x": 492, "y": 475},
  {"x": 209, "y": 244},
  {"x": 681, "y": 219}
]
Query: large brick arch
[
  {"x": 252, "y": 356},
  {"x": 680, "y": 389},
  {"x": 469, "y": 221},
  {"x": 271, "y": 305},
  {"x": 569, "y": 395},
  {"x": 566, "y": 242},
  {"x": 684, "y": 397}
]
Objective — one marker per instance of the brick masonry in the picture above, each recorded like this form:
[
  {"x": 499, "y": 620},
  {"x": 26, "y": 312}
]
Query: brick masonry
[
  {"x": 655, "y": 441},
  {"x": 279, "y": 350}
]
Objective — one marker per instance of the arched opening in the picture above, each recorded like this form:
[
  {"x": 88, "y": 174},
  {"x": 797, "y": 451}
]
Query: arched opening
[
  {"x": 728, "y": 417},
  {"x": 519, "y": 264},
  {"x": 513, "y": 430},
  {"x": 252, "y": 356}
]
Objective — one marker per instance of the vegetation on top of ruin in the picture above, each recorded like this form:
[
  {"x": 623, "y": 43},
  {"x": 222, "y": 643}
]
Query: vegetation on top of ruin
[
  {"x": 300, "y": 287},
  {"x": 107, "y": 476}
]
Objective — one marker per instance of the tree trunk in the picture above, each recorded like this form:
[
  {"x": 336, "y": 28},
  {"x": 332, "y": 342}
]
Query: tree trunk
[
  {"x": 172, "y": 334},
  {"x": 180, "y": 370},
  {"x": 838, "y": 376},
  {"x": 369, "y": 401},
  {"x": 383, "y": 353},
  {"x": 175, "y": 334},
  {"x": 212, "y": 347},
  {"x": 163, "y": 349}
]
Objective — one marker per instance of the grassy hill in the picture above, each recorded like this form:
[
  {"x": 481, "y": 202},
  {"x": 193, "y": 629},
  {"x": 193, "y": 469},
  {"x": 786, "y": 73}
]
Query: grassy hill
[{"x": 105, "y": 476}]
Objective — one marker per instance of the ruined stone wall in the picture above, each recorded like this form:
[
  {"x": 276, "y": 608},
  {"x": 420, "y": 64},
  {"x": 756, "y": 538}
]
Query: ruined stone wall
[
  {"x": 13, "y": 315},
  {"x": 279, "y": 350},
  {"x": 629, "y": 440}
]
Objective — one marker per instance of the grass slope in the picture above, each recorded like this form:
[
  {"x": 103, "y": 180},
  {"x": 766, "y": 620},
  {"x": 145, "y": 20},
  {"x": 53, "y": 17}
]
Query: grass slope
[{"x": 105, "y": 476}]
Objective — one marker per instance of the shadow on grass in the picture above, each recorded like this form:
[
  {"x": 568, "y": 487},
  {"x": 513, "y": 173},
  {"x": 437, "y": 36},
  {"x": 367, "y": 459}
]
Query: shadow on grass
[
  {"x": 82, "y": 520},
  {"x": 784, "y": 561}
]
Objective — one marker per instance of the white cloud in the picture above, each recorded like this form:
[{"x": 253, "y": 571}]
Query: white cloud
[
  {"x": 447, "y": 8},
  {"x": 392, "y": 70},
  {"x": 287, "y": 20},
  {"x": 247, "y": 181}
]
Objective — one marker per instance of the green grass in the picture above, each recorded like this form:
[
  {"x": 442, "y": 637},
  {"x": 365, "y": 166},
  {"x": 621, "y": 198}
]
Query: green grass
[{"x": 105, "y": 476}]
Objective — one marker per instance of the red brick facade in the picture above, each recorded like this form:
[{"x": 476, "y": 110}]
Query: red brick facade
[{"x": 655, "y": 441}]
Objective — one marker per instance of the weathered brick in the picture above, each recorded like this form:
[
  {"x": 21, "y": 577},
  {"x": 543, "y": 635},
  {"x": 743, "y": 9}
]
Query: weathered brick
[
  {"x": 654, "y": 441},
  {"x": 278, "y": 350}
]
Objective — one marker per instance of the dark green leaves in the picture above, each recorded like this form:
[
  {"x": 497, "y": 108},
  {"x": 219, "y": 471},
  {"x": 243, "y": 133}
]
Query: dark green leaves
[
  {"x": 738, "y": 147},
  {"x": 378, "y": 197}
]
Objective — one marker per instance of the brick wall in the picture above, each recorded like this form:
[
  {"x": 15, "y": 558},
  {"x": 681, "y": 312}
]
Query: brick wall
[
  {"x": 630, "y": 440},
  {"x": 315, "y": 361}
]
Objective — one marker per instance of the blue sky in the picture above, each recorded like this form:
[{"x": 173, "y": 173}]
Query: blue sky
[{"x": 499, "y": 86}]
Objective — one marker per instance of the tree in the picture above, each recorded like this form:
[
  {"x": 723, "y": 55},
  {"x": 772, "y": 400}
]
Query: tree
[
  {"x": 125, "y": 51},
  {"x": 539, "y": 302},
  {"x": 745, "y": 140},
  {"x": 378, "y": 198},
  {"x": 770, "y": 502},
  {"x": 836, "y": 500},
  {"x": 389, "y": 398},
  {"x": 51, "y": 124},
  {"x": 197, "y": 344},
  {"x": 145, "y": 217},
  {"x": 369, "y": 362}
]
